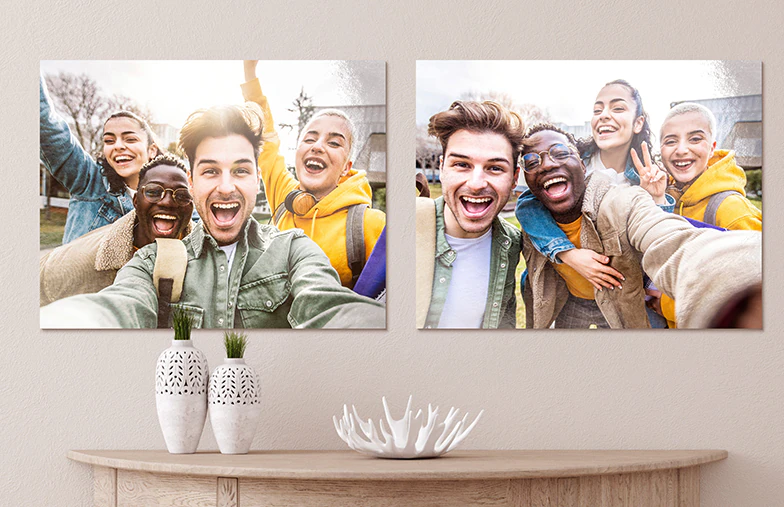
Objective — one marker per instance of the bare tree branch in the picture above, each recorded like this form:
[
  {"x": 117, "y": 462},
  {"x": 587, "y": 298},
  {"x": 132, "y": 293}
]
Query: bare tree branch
[
  {"x": 303, "y": 107},
  {"x": 85, "y": 107},
  {"x": 530, "y": 113}
]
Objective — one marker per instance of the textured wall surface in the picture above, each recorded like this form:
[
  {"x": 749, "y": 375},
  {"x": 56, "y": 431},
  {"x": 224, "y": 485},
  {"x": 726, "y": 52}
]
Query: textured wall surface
[{"x": 553, "y": 390}]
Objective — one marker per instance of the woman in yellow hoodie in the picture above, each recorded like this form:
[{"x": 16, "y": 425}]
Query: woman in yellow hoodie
[
  {"x": 319, "y": 199},
  {"x": 698, "y": 172}
]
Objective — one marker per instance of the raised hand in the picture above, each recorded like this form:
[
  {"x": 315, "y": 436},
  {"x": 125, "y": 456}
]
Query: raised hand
[
  {"x": 250, "y": 69},
  {"x": 652, "y": 178},
  {"x": 593, "y": 267}
]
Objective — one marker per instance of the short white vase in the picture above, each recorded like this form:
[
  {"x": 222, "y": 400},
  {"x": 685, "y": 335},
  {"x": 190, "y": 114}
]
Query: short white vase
[
  {"x": 181, "y": 379},
  {"x": 235, "y": 408}
]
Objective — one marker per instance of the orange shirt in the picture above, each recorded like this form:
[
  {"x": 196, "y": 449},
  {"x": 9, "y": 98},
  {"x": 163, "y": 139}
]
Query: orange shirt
[{"x": 577, "y": 284}]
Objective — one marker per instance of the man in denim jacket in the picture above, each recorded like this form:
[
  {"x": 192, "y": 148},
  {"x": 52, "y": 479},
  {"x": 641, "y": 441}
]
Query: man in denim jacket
[
  {"x": 239, "y": 273},
  {"x": 702, "y": 269},
  {"x": 476, "y": 252}
]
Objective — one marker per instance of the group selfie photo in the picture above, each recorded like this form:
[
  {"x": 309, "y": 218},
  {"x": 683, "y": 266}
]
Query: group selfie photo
[
  {"x": 253, "y": 197},
  {"x": 589, "y": 194}
]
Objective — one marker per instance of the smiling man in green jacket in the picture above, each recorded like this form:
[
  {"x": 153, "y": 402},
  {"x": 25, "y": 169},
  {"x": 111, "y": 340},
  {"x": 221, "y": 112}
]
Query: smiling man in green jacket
[
  {"x": 239, "y": 273},
  {"x": 476, "y": 252}
]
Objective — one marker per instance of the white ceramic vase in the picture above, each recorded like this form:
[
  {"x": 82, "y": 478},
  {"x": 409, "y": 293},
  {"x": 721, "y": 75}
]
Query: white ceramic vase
[
  {"x": 235, "y": 408},
  {"x": 181, "y": 379}
]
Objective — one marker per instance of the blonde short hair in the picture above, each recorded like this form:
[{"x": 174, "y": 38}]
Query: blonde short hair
[
  {"x": 340, "y": 114},
  {"x": 692, "y": 107}
]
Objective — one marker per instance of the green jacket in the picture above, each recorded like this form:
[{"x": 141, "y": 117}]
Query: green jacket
[
  {"x": 501, "y": 305},
  {"x": 278, "y": 280}
]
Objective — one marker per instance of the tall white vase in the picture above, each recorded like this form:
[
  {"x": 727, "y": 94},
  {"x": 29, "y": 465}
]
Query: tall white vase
[
  {"x": 181, "y": 379},
  {"x": 235, "y": 408}
]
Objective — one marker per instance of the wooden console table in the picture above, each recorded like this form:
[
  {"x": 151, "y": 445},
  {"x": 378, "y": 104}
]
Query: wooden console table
[{"x": 346, "y": 478}]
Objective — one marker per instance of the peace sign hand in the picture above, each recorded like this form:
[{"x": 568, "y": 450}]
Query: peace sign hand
[{"x": 652, "y": 179}]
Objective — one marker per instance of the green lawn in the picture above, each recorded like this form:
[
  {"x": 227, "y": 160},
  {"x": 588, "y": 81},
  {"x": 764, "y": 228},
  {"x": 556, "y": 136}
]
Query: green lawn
[{"x": 51, "y": 231}]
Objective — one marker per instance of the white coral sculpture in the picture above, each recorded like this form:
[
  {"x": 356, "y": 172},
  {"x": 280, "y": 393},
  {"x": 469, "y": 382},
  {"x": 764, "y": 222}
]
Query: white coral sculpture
[{"x": 409, "y": 437}]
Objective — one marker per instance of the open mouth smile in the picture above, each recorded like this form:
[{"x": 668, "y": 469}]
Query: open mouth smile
[
  {"x": 225, "y": 213},
  {"x": 122, "y": 159},
  {"x": 314, "y": 165},
  {"x": 682, "y": 165},
  {"x": 165, "y": 225},
  {"x": 556, "y": 188},
  {"x": 606, "y": 130},
  {"x": 476, "y": 206}
]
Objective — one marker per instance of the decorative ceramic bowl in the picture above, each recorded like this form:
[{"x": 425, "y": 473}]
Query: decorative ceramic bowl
[{"x": 413, "y": 436}]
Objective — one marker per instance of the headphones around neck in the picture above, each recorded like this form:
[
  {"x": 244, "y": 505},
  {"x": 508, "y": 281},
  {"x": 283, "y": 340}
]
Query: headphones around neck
[{"x": 299, "y": 202}]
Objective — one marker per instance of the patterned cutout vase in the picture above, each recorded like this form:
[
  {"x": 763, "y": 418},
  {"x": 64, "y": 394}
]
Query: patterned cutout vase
[
  {"x": 235, "y": 408},
  {"x": 181, "y": 379}
]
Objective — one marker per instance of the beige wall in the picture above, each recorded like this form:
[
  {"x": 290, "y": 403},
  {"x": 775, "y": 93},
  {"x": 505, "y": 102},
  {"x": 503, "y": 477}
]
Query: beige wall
[{"x": 89, "y": 390}]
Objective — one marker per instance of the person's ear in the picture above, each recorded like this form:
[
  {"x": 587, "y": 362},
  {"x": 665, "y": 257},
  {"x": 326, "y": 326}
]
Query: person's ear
[
  {"x": 153, "y": 151},
  {"x": 134, "y": 200},
  {"x": 440, "y": 162},
  {"x": 638, "y": 124},
  {"x": 190, "y": 180},
  {"x": 347, "y": 168}
]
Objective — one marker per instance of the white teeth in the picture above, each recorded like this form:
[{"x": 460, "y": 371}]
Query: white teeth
[
  {"x": 606, "y": 130},
  {"x": 553, "y": 181},
  {"x": 225, "y": 205},
  {"x": 164, "y": 217},
  {"x": 315, "y": 163},
  {"x": 122, "y": 159},
  {"x": 681, "y": 164},
  {"x": 477, "y": 199}
]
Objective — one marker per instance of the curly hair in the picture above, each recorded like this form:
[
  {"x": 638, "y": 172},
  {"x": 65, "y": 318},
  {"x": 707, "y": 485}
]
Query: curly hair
[
  {"x": 539, "y": 127},
  {"x": 116, "y": 182},
  {"x": 587, "y": 145},
  {"x": 165, "y": 159},
  {"x": 221, "y": 121},
  {"x": 474, "y": 116}
]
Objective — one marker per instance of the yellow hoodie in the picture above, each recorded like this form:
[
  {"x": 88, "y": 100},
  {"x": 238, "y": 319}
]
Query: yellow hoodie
[
  {"x": 325, "y": 223},
  {"x": 735, "y": 212}
]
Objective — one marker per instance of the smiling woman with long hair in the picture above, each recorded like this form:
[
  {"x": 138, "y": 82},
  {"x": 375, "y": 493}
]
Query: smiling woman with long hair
[{"x": 101, "y": 191}]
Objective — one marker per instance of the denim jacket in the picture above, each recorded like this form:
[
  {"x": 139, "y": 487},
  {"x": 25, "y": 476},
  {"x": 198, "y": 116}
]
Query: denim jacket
[
  {"x": 91, "y": 205},
  {"x": 501, "y": 307},
  {"x": 544, "y": 233},
  {"x": 277, "y": 280}
]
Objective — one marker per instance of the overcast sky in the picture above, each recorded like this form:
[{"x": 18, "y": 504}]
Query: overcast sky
[
  {"x": 174, "y": 89},
  {"x": 567, "y": 89}
]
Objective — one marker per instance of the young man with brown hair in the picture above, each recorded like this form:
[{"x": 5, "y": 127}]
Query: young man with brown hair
[{"x": 476, "y": 252}]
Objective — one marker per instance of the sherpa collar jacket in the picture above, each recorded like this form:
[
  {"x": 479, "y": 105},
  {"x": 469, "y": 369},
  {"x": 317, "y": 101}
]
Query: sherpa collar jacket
[{"x": 699, "y": 268}]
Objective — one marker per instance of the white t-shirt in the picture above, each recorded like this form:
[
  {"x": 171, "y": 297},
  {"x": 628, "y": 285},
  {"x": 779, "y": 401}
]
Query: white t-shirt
[
  {"x": 595, "y": 164},
  {"x": 229, "y": 250},
  {"x": 466, "y": 298}
]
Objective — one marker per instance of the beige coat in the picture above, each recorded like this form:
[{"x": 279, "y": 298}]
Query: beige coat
[
  {"x": 89, "y": 263},
  {"x": 700, "y": 268}
]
